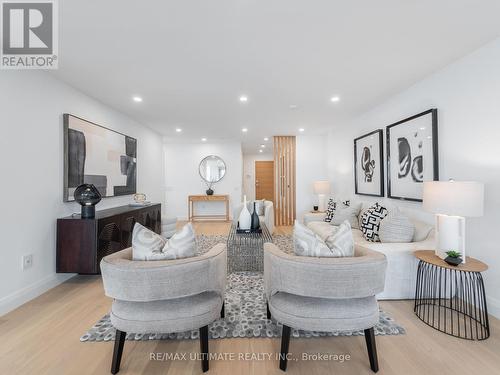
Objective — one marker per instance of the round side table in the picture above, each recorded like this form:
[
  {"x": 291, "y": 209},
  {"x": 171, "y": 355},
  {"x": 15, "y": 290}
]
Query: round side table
[{"x": 452, "y": 299}]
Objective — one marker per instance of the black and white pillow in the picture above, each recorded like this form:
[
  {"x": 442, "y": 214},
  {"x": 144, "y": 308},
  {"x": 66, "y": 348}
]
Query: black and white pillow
[
  {"x": 330, "y": 210},
  {"x": 370, "y": 222}
]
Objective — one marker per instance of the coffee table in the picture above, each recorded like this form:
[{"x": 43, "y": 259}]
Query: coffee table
[{"x": 245, "y": 251}]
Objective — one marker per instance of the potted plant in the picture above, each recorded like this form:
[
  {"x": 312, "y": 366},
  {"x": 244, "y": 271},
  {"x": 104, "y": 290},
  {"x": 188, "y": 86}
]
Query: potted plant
[{"x": 453, "y": 258}]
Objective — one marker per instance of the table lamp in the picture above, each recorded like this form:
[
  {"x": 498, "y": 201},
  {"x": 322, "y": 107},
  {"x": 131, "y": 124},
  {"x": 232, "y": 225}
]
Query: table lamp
[
  {"x": 321, "y": 188},
  {"x": 452, "y": 201}
]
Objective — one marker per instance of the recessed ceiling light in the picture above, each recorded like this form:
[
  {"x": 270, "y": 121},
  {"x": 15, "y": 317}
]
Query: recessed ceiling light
[
  {"x": 244, "y": 130},
  {"x": 260, "y": 151},
  {"x": 301, "y": 129},
  {"x": 266, "y": 139},
  {"x": 203, "y": 139},
  {"x": 262, "y": 146},
  {"x": 334, "y": 99},
  {"x": 292, "y": 106},
  {"x": 178, "y": 130},
  {"x": 137, "y": 99},
  {"x": 243, "y": 98}
]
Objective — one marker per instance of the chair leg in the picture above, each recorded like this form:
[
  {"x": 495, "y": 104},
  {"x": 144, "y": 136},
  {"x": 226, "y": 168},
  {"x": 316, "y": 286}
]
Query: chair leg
[
  {"x": 285, "y": 343},
  {"x": 222, "y": 311},
  {"x": 268, "y": 311},
  {"x": 117, "y": 351},
  {"x": 204, "y": 348},
  {"x": 372, "y": 348}
]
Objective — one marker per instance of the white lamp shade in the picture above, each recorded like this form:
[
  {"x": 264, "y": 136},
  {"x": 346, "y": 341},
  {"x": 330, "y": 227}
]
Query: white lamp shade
[
  {"x": 321, "y": 187},
  {"x": 454, "y": 198}
]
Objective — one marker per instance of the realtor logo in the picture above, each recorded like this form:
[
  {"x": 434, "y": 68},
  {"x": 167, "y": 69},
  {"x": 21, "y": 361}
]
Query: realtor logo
[{"x": 29, "y": 34}]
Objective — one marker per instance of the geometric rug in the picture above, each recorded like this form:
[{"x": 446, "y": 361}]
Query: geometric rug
[{"x": 245, "y": 311}]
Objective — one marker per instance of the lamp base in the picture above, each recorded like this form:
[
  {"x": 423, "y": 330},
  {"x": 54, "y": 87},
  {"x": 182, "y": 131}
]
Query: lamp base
[
  {"x": 88, "y": 212},
  {"x": 321, "y": 202},
  {"x": 450, "y": 235}
]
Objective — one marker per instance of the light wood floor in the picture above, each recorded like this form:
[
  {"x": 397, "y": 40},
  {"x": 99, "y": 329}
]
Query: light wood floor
[{"x": 42, "y": 337}]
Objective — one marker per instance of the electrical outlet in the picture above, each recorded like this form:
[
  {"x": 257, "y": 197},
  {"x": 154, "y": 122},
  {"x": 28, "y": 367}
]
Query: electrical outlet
[{"x": 27, "y": 261}]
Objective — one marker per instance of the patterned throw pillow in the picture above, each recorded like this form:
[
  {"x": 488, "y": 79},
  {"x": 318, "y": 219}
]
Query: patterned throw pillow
[
  {"x": 370, "y": 222},
  {"x": 181, "y": 245},
  {"x": 308, "y": 244},
  {"x": 340, "y": 242},
  {"x": 330, "y": 210},
  {"x": 146, "y": 244}
]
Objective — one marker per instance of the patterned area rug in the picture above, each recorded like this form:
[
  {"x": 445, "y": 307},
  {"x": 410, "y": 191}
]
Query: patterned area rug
[{"x": 245, "y": 310}]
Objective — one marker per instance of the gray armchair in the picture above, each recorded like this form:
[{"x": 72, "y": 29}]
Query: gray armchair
[
  {"x": 324, "y": 294},
  {"x": 164, "y": 296}
]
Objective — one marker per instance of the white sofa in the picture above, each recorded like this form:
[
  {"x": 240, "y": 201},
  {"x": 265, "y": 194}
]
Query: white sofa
[
  {"x": 267, "y": 218},
  {"x": 401, "y": 264}
]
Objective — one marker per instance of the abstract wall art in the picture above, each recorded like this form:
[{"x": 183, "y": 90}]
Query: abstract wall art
[
  {"x": 412, "y": 155},
  {"x": 368, "y": 164},
  {"x": 96, "y": 155}
]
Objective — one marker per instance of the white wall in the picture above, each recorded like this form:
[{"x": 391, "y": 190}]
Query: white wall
[
  {"x": 311, "y": 165},
  {"x": 249, "y": 172},
  {"x": 182, "y": 177},
  {"x": 31, "y": 149},
  {"x": 467, "y": 95}
]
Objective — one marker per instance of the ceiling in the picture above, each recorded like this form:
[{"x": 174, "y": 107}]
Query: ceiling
[{"x": 190, "y": 61}]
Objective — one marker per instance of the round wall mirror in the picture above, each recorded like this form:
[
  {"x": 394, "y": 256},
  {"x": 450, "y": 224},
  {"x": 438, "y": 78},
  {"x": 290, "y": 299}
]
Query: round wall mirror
[{"x": 212, "y": 168}]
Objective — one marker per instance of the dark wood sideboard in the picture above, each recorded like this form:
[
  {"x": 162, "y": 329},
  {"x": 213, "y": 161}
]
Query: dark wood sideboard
[{"x": 82, "y": 243}]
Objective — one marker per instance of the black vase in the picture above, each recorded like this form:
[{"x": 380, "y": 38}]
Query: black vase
[
  {"x": 88, "y": 196},
  {"x": 255, "y": 224},
  {"x": 209, "y": 191}
]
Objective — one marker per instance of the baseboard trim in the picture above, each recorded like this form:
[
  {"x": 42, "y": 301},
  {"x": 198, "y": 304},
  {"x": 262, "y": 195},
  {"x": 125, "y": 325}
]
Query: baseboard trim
[
  {"x": 26, "y": 294},
  {"x": 493, "y": 306}
]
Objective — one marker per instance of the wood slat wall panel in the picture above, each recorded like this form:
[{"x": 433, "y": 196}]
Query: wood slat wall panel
[{"x": 284, "y": 171}]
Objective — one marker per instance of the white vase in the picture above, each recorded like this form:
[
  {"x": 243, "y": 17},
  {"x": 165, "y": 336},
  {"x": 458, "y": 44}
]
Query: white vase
[{"x": 245, "y": 218}]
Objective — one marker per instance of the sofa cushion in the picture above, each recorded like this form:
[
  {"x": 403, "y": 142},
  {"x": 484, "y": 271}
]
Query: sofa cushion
[
  {"x": 146, "y": 244},
  {"x": 396, "y": 227},
  {"x": 181, "y": 245},
  {"x": 324, "y": 314},
  {"x": 349, "y": 213},
  {"x": 340, "y": 242},
  {"x": 370, "y": 222},
  {"x": 422, "y": 230},
  {"x": 166, "y": 316}
]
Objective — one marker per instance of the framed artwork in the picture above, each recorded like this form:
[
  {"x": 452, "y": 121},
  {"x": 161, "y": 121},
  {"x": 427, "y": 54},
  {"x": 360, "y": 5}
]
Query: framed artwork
[
  {"x": 368, "y": 164},
  {"x": 412, "y": 155},
  {"x": 96, "y": 155}
]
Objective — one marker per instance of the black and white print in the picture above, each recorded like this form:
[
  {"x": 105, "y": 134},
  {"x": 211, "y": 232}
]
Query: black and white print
[
  {"x": 370, "y": 222},
  {"x": 330, "y": 210},
  {"x": 99, "y": 156},
  {"x": 368, "y": 165},
  {"x": 412, "y": 156}
]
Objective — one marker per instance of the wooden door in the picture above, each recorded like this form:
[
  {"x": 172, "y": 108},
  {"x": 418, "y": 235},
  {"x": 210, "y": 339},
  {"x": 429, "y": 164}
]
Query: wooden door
[{"x": 264, "y": 180}]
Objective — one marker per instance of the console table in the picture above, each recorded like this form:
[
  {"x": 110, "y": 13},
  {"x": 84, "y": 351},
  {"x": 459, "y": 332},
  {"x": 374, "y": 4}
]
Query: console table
[
  {"x": 192, "y": 199},
  {"x": 82, "y": 243},
  {"x": 452, "y": 299}
]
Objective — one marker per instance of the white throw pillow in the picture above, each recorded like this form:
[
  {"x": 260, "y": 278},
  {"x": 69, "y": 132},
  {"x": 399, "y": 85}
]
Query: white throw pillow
[
  {"x": 340, "y": 242},
  {"x": 349, "y": 213},
  {"x": 146, "y": 244},
  {"x": 306, "y": 243},
  {"x": 181, "y": 245},
  {"x": 396, "y": 227}
]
